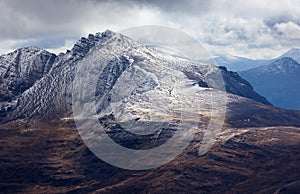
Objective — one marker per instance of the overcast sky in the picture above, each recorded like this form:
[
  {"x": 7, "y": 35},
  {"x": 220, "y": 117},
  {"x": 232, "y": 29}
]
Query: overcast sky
[{"x": 255, "y": 29}]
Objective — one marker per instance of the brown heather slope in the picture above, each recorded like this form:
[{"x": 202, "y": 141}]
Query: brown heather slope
[{"x": 39, "y": 157}]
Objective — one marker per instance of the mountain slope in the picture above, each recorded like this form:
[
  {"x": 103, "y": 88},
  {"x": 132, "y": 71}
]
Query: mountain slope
[
  {"x": 51, "y": 158},
  {"x": 21, "y": 69},
  {"x": 278, "y": 82},
  {"x": 237, "y": 85}
]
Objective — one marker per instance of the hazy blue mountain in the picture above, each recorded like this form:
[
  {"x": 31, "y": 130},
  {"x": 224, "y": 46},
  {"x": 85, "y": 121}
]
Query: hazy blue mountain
[
  {"x": 235, "y": 63},
  {"x": 279, "y": 82},
  {"x": 293, "y": 53}
]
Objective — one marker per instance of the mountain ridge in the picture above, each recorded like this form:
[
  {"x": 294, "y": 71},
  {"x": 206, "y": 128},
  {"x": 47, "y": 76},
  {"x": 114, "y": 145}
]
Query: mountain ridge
[
  {"x": 62, "y": 73},
  {"x": 282, "y": 65},
  {"x": 236, "y": 63}
]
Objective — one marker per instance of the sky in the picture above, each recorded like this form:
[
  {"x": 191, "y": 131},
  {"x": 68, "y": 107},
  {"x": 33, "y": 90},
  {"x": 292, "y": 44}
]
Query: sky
[{"x": 257, "y": 29}]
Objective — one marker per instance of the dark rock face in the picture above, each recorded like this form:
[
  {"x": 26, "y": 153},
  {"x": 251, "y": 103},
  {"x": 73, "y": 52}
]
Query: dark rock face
[{"x": 237, "y": 85}]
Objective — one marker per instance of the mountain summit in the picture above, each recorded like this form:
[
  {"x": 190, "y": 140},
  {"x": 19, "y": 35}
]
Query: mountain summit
[{"x": 293, "y": 53}]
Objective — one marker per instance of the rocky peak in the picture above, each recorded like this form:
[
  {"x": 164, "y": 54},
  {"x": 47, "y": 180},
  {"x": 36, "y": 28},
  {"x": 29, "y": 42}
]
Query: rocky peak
[
  {"x": 85, "y": 44},
  {"x": 21, "y": 69}
]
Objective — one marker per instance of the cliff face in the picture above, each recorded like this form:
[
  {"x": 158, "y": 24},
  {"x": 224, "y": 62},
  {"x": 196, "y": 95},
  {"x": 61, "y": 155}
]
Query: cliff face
[{"x": 235, "y": 84}]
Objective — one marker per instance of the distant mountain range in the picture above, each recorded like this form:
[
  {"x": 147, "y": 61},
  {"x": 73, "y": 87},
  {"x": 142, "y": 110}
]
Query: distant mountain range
[
  {"x": 278, "y": 81},
  {"x": 236, "y": 63}
]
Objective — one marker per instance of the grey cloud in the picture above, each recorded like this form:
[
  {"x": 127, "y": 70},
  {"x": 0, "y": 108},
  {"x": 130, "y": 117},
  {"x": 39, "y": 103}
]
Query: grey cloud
[
  {"x": 253, "y": 28},
  {"x": 184, "y": 7},
  {"x": 23, "y": 19},
  {"x": 54, "y": 18}
]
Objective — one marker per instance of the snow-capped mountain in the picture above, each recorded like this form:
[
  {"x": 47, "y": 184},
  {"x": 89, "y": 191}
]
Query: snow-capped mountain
[
  {"x": 293, "y": 53},
  {"x": 278, "y": 82},
  {"x": 283, "y": 65},
  {"x": 50, "y": 95}
]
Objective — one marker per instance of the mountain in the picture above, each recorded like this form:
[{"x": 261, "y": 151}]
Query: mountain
[
  {"x": 235, "y": 63},
  {"x": 55, "y": 86},
  {"x": 293, "y": 53},
  {"x": 278, "y": 82},
  {"x": 122, "y": 82}
]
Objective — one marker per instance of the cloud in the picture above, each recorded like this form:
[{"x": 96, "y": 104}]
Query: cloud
[
  {"x": 68, "y": 44},
  {"x": 256, "y": 29},
  {"x": 11, "y": 44},
  {"x": 55, "y": 18},
  {"x": 246, "y": 28},
  {"x": 177, "y": 9},
  {"x": 289, "y": 30},
  {"x": 43, "y": 23}
]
